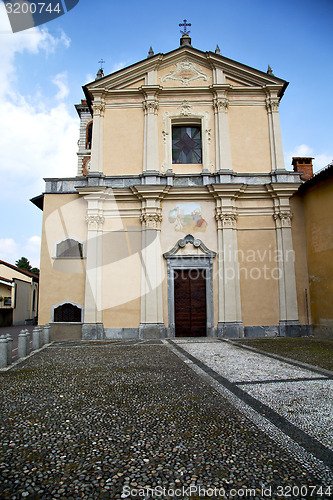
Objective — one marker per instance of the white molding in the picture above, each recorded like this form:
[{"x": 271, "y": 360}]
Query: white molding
[{"x": 63, "y": 303}]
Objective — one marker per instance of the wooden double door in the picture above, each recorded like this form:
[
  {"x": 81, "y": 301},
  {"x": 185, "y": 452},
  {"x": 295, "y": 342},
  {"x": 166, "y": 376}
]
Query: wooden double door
[{"x": 190, "y": 302}]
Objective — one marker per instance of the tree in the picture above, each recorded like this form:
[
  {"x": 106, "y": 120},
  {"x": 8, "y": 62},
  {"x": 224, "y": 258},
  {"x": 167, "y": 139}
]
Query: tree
[
  {"x": 24, "y": 264},
  {"x": 35, "y": 270}
]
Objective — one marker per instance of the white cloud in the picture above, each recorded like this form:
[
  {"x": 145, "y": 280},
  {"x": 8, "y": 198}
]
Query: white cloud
[
  {"x": 8, "y": 250},
  {"x": 32, "y": 41},
  {"x": 11, "y": 250},
  {"x": 60, "y": 80},
  {"x": 38, "y": 137}
]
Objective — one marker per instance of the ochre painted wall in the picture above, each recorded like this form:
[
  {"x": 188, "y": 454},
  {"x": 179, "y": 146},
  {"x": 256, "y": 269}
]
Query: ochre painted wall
[
  {"x": 249, "y": 138},
  {"x": 318, "y": 210},
  {"x": 301, "y": 265},
  {"x": 123, "y": 140},
  {"x": 258, "y": 271},
  {"x": 61, "y": 279}
]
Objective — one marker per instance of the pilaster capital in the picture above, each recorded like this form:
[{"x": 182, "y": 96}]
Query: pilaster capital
[
  {"x": 98, "y": 108},
  {"x": 150, "y": 106},
  {"x": 226, "y": 220},
  {"x": 94, "y": 221},
  {"x": 220, "y": 104},
  {"x": 272, "y": 104},
  {"x": 283, "y": 218},
  {"x": 152, "y": 220}
]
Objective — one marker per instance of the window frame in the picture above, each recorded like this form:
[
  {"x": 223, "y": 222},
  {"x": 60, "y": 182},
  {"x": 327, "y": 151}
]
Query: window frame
[
  {"x": 185, "y": 125},
  {"x": 194, "y": 119},
  {"x": 53, "y": 308}
]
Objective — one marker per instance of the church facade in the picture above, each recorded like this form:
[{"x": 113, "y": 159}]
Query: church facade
[{"x": 179, "y": 221}]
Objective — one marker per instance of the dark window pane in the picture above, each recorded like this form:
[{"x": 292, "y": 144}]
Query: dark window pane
[
  {"x": 89, "y": 136},
  {"x": 67, "y": 313},
  {"x": 186, "y": 144}
]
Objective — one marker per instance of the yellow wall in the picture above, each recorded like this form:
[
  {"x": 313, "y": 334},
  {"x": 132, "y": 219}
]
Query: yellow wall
[
  {"x": 61, "y": 279},
  {"x": 249, "y": 137},
  {"x": 301, "y": 265},
  {"x": 123, "y": 140},
  {"x": 318, "y": 209},
  {"x": 258, "y": 271},
  {"x": 121, "y": 282}
]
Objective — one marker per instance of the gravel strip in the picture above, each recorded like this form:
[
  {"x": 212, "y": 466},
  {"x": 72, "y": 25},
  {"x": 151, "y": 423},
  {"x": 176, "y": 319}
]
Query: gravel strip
[{"x": 109, "y": 421}]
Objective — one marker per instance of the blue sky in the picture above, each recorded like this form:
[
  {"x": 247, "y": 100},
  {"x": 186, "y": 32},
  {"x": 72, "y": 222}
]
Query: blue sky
[{"x": 42, "y": 71}]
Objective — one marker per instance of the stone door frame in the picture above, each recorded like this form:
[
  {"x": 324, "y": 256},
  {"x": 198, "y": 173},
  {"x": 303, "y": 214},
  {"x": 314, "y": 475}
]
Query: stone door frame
[{"x": 190, "y": 261}]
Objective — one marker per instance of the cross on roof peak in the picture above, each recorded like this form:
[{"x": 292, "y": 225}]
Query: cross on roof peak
[
  {"x": 185, "y": 24},
  {"x": 101, "y": 62}
]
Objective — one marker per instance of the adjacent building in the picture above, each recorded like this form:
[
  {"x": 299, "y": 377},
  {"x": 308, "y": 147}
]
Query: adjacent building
[{"x": 18, "y": 296}]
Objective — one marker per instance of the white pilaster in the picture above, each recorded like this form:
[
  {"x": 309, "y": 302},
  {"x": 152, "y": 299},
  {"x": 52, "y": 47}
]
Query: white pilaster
[
  {"x": 150, "y": 107},
  {"x": 229, "y": 298},
  {"x": 286, "y": 261},
  {"x": 152, "y": 271},
  {"x": 272, "y": 105},
  {"x": 97, "y": 137},
  {"x": 94, "y": 259},
  {"x": 222, "y": 135}
]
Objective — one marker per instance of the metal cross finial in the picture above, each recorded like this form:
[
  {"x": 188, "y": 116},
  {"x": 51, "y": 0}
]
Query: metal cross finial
[
  {"x": 101, "y": 62},
  {"x": 185, "y": 24}
]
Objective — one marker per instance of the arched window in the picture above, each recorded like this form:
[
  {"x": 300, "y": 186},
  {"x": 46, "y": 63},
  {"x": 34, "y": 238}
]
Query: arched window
[
  {"x": 69, "y": 248},
  {"x": 67, "y": 313},
  {"x": 89, "y": 135}
]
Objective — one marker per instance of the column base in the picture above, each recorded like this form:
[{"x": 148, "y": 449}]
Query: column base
[
  {"x": 290, "y": 328},
  {"x": 152, "y": 331},
  {"x": 230, "y": 330},
  {"x": 92, "y": 331}
]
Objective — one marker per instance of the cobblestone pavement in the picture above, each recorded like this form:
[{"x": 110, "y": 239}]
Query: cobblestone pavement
[{"x": 158, "y": 419}]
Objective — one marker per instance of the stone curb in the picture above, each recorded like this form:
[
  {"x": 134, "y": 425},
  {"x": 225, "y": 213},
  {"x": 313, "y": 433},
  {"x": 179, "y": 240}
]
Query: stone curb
[
  {"x": 290, "y": 361},
  {"x": 21, "y": 360}
]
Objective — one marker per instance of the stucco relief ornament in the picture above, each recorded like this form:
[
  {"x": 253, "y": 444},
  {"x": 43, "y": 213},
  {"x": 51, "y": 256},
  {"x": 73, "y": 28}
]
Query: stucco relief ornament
[
  {"x": 283, "y": 218},
  {"x": 221, "y": 105},
  {"x": 151, "y": 221},
  {"x": 272, "y": 105},
  {"x": 165, "y": 134},
  {"x": 150, "y": 106},
  {"x": 185, "y": 73},
  {"x": 226, "y": 220},
  {"x": 99, "y": 109},
  {"x": 185, "y": 109},
  {"x": 95, "y": 220}
]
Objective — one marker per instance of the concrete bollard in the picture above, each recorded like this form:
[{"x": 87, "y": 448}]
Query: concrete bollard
[
  {"x": 36, "y": 338},
  {"x": 46, "y": 331},
  {"x": 9, "y": 349},
  {"x": 3, "y": 351},
  {"x": 28, "y": 337},
  {"x": 22, "y": 344}
]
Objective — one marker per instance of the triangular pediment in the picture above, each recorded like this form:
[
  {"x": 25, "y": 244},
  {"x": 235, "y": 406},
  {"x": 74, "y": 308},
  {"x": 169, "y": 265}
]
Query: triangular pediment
[{"x": 184, "y": 67}]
